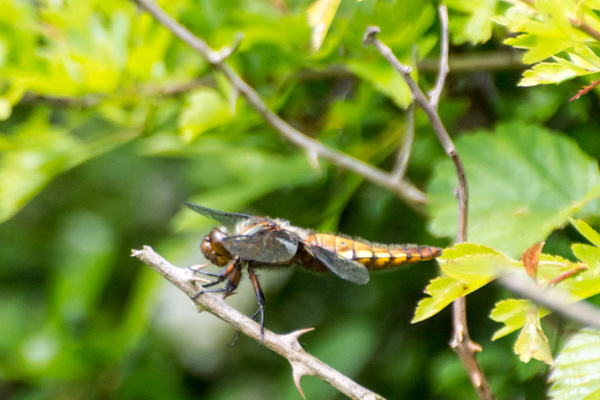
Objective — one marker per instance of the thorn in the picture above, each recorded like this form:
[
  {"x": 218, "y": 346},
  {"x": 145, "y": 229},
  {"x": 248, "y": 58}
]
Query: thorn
[
  {"x": 298, "y": 371},
  {"x": 197, "y": 268},
  {"x": 292, "y": 338},
  {"x": 300, "y": 332},
  {"x": 313, "y": 159},
  {"x": 196, "y": 279}
]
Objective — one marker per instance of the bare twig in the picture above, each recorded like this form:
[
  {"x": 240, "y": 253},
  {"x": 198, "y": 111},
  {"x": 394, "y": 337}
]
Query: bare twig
[
  {"x": 285, "y": 345},
  {"x": 436, "y": 93},
  {"x": 370, "y": 37},
  {"x": 406, "y": 147},
  {"x": 461, "y": 341},
  {"x": 311, "y": 146},
  {"x": 554, "y": 299}
]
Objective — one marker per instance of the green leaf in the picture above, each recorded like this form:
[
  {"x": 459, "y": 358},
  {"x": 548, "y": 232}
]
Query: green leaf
[
  {"x": 204, "y": 109},
  {"x": 574, "y": 374},
  {"x": 512, "y": 313},
  {"x": 548, "y": 30},
  {"x": 524, "y": 182},
  {"x": 467, "y": 267},
  {"x": 587, "y": 231},
  {"x": 38, "y": 152},
  {"x": 471, "y": 263},
  {"x": 532, "y": 343},
  {"x": 443, "y": 291},
  {"x": 590, "y": 255},
  {"x": 385, "y": 79},
  {"x": 471, "y": 21}
]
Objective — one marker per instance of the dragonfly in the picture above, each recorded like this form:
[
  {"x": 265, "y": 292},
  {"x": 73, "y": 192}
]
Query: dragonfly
[{"x": 251, "y": 242}]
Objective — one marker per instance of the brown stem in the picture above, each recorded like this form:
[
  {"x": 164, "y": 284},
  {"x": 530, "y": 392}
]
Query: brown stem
[{"x": 461, "y": 341}]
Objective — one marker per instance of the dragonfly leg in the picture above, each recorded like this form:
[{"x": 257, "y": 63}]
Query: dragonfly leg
[
  {"x": 232, "y": 273},
  {"x": 260, "y": 299}
]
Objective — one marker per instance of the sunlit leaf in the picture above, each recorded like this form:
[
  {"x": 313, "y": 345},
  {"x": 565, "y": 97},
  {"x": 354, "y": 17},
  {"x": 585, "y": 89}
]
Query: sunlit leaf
[
  {"x": 532, "y": 343},
  {"x": 320, "y": 15},
  {"x": 587, "y": 231},
  {"x": 574, "y": 374},
  {"x": 443, "y": 291},
  {"x": 475, "y": 263},
  {"x": 548, "y": 30},
  {"x": 471, "y": 21},
  {"x": 524, "y": 182},
  {"x": 590, "y": 255},
  {"x": 512, "y": 313},
  {"x": 204, "y": 110}
]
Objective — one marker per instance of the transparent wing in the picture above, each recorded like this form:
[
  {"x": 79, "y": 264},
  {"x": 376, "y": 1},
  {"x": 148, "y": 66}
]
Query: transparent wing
[
  {"x": 224, "y": 218},
  {"x": 346, "y": 269},
  {"x": 267, "y": 245}
]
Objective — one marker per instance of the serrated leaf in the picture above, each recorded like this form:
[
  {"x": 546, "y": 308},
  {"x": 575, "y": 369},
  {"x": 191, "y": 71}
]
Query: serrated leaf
[
  {"x": 478, "y": 268},
  {"x": 513, "y": 314},
  {"x": 574, "y": 374},
  {"x": 587, "y": 231},
  {"x": 443, "y": 291},
  {"x": 524, "y": 182},
  {"x": 320, "y": 15},
  {"x": 532, "y": 343},
  {"x": 544, "y": 73}
]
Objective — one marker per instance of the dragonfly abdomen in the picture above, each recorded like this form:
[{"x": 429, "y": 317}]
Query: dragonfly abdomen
[{"x": 373, "y": 256}]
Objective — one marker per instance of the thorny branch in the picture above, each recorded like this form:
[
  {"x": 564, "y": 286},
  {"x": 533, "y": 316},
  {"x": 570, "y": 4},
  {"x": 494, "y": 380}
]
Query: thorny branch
[
  {"x": 461, "y": 341},
  {"x": 287, "y": 345},
  {"x": 312, "y": 147}
]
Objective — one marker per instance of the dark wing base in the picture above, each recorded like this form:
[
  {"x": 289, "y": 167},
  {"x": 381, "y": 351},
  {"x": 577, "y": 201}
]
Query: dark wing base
[{"x": 268, "y": 246}]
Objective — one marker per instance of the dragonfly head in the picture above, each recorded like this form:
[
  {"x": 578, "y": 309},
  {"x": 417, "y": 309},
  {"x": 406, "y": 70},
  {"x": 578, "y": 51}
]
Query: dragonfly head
[{"x": 213, "y": 249}]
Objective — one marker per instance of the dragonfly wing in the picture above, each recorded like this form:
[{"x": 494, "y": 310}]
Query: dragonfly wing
[
  {"x": 346, "y": 269},
  {"x": 224, "y": 218},
  {"x": 270, "y": 246}
]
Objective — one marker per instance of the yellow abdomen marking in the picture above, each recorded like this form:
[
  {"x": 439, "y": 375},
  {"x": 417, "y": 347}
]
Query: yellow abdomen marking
[{"x": 371, "y": 256}]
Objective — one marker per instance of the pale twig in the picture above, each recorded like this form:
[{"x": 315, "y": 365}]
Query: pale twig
[
  {"x": 461, "y": 342},
  {"x": 407, "y": 141},
  {"x": 436, "y": 93},
  {"x": 286, "y": 345},
  {"x": 311, "y": 146}
]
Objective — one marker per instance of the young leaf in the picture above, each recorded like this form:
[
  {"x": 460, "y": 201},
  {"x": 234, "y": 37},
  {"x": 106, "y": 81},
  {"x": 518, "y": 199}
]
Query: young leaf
[
  {"x": 574, "y": 374},
  {"x": 443, "y": 291},
  {"x": 511, "y": 312},
  {"x": 532, "y": 343}
]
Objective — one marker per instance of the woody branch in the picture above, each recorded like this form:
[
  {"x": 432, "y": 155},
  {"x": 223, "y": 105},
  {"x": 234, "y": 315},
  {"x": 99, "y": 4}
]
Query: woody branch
[{"x": 287, "y": 345}]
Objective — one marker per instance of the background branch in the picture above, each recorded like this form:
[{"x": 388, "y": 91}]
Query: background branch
[
  {"x": 285, "y": 345},
  {"x": 554, "y": 299},
  {"x": 311, "y": 146}
]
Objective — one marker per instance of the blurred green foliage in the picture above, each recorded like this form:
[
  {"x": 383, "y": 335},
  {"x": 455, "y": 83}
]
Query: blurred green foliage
[{"x": 109, "y": 123}]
